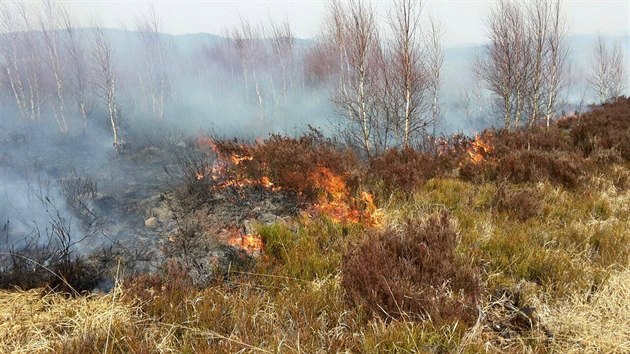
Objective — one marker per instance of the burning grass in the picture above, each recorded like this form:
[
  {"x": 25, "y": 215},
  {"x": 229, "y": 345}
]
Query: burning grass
[{"x": 507, "y": 242}]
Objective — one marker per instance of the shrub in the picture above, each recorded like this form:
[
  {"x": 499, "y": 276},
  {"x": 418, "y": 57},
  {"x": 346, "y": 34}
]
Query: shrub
[
  {"x": 606, "y": 127},
  {"x": 190, "y": 172},
  {"x": 521, "y": 204},
  {"x": 412, "y": 272},
  {"x": 407, "y": 169},
  {"x": 532, "y": 166},
  {"x": 291, "y": 163}
]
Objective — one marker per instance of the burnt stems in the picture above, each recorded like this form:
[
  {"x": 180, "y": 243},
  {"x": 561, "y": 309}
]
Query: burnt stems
[
  {"x": 412, "y": 273},
  {"x": 192, "y": 181}
]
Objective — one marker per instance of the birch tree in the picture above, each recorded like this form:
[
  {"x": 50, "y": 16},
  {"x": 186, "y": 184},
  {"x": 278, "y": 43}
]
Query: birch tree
[
  {"x": 524, "y": 66},
  {"x": 74, "y": 48},
  {"x": 409, "y": 81},
  {"x": 49, "y": 22},
  {"x": 358, "y": 38},
  {"x": 607, "y": 73},
  {"x": 106, "y": 82},
  {"x": 156, "y": 75}
]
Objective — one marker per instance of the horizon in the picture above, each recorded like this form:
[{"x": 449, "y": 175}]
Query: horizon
[{"x": 216, "y": 17}]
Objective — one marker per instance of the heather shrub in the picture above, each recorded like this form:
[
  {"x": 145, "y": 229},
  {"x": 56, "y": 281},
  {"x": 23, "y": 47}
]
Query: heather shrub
[
  {"x": 531, "y": 166},
  {"x": 412, "y": 272},
  {"x": 520, "y": 204},
  {"x": 480, "y": 172},
  {"x": 535, "y": 138},
  {"x": 406, "y": 169},
  {"x": 606, "y": 127},
  {"x": 292, "y": 163}
]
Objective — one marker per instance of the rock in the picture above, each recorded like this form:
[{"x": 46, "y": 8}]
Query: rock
[
  {"x": 151, "y": 223},
  {"x": 162, "y": 212},
  {"x": 268, "y": 218}
]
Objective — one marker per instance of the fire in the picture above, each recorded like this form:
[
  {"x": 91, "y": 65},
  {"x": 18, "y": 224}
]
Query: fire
[
  {"x": 227, "y": 171},
  {"x": 333, "y": 195},
  {"x": 251, "y": 244},
  {"x": 335, "y": 199},
  {"x": 368, "y": 199},
  {"x": 237, "y": 159},
  {"x": 479, "y": 149}
]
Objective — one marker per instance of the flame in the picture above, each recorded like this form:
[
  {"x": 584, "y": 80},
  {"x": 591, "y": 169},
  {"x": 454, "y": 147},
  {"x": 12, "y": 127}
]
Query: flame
[
  {"x": 478, "y": 150},
  {"x": 368, "y": 199},
  {"x": 251, "y": 244},
  {"x": 237, "y": 159},
  {"x": 335, "y": 199},
  {"x": 226, "y": 170}
]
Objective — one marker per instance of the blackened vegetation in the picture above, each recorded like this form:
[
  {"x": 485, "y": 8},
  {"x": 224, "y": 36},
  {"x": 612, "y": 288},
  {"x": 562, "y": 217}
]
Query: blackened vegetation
[
  {"x": 49, "y": 258},
  {"x": 78, "y": 191},
  {"x": 192, "y": 182},
  {"x": 412, "y": 273}
]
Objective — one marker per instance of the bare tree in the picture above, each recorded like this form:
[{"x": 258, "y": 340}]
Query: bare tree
[
  {"x": 556, "y": 69},
  {"x": 21, "y": 55},
  {"x": 283, "y": 44},
  {"x": 434, "y": 63},
  {"x": 498, "y": 68},
  {"x": 356, "y": 37},
  {"x": 548, "y": 59},
  {"x": 246, "y": 39},
  {"x": 525, "y": 63},
  {"x": 79, "y": 75},
  {"x": 607, "y": 76},
  {"x": 49, "y": 23},
  {"x": 31, "y": 60},
  {"x": 11, "y": 56},
  {"x": 106, "y": 82},
  {"x": 409, "y": 81},
  {"x": 155, "y": 50}
]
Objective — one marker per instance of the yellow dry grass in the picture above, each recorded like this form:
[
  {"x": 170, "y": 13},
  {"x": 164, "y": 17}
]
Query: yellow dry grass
[
  {"x": 592, "y": 322},
  {"x": 38, "y": 321}
]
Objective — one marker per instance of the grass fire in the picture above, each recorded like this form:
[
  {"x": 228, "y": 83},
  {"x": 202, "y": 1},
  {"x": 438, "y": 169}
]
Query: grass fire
[{"x": 357, "y": 191}]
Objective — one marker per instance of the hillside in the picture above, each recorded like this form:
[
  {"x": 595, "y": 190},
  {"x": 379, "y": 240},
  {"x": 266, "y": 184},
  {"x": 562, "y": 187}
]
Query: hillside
[{"x": 502, "y": 242}]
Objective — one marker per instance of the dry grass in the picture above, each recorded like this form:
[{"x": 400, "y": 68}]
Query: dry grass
[
  {"x": 592, "y": 321},
  {"x": 552, "y": 259},
  {"x": 38, "y": 321}
]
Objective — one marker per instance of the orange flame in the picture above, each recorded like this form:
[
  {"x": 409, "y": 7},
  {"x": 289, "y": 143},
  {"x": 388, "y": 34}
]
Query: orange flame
[
  {"x": 237, "y": 159},
  {"x": 251, "y": 244},
  {"x": 478, "y": 150},
  {"x": 224, "y": 170},
  {"x": 335, "y": 200}
]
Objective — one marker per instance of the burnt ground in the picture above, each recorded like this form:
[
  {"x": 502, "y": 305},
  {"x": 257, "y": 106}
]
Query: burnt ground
[{"x": 133, "y": 220}]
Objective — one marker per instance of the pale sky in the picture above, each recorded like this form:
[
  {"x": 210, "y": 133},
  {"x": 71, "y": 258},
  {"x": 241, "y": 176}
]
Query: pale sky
[{"x": 462, "y": 20}]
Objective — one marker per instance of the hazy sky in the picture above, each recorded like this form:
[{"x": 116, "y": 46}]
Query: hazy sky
[{"x": 462, "y": 20}]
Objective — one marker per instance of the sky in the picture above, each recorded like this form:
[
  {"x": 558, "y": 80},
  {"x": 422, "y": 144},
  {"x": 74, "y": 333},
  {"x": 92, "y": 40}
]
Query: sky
[{"x": 462, "y": 20}]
